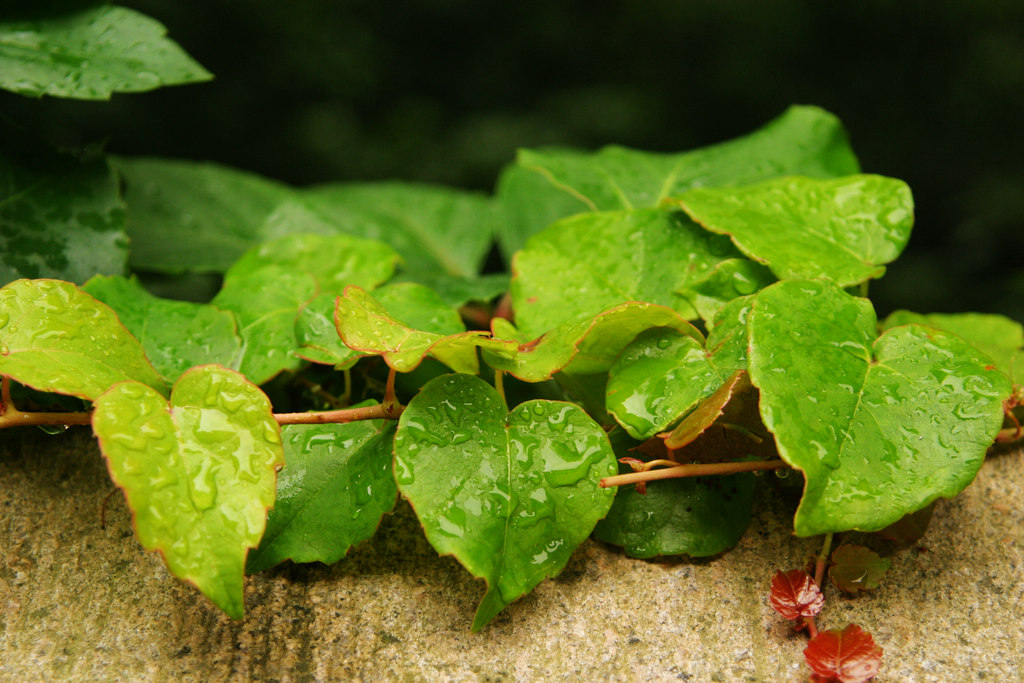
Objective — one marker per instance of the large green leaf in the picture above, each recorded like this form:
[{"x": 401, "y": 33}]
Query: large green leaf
[
  {"x": 186, "y": 216},
  {"x": 509, "y": 494},
  {"x": 583, "y": 265},
  {"x": 332, "y": 494},
  {"x": 880, "y": 427},
  {"x": 56, "y": 338},
  {"x": 802, "y": 141},
  {"x": 176, "y": 335},
  {"x": 843, "y": 229},
  {"x": 998, "y": 337},
  {"x": 198, "y": 473},
  {"x": 585, "y": 347},
  {"x": 90, "y": 54},
  {"x": 59, "y": 217},
  {"x": 435, "y": 229}
]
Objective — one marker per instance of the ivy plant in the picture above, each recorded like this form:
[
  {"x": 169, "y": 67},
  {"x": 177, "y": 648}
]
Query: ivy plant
[{"x": 357, "y": 350}]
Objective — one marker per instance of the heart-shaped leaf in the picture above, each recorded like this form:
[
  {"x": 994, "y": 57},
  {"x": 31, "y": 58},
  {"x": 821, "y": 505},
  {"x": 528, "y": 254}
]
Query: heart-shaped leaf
[
  {"x": 911, "y": 413},
  {"x": 794, "y": 594},
  {"x": 843, "y": 229},
  {"x": 334, "y": 491},
  {"x": 55, "y": 337},
  {"x": 198, "y": 473},
  {"x": 509, "y": 493}
]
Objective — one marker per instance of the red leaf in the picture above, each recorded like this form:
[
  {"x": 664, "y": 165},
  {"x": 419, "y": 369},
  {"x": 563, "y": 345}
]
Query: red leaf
[
  {"x": 856, "y": 568},
  {"x": 848, "y": 656},
  {"x": 794, "y": 594}
]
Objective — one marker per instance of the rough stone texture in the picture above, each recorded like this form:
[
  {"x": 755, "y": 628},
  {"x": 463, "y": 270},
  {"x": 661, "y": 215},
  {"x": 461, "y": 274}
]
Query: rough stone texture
[{"x": 82, "y": 602}]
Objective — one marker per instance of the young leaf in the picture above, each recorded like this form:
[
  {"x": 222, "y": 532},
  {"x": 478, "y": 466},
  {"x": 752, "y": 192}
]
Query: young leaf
[
  {"x": 92, "y": 53},
  {"x": 583, "y": 265},
  {"x": 707, "y": 411},
  {"x": 336, "y": 487},
  {"x": 911, "y": 413},
  {"x": 695, "y": 516},
  {"x": 365, "y": 325},
  {"x": 59, "y": 218},
  {"x": 509, "y": 494},
  {"x": 847, "y": 656},
  {"x": 843, "y": 229},
  {"x": 794, "y": 594},
  {"x": 176, "y": 335},
  {"x": 56, "y": 338},
  {"x": 855, "y": 568},
  {"x": 198, "y": 473},
  {"x": 185, "y": 216},
  {"x": 584, "y": 347}
]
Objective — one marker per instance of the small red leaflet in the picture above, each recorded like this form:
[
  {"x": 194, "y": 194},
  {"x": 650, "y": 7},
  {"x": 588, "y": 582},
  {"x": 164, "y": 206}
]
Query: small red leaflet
[
  {"x": 847, "y": 656},
  {"x": 794, "y": 594}
]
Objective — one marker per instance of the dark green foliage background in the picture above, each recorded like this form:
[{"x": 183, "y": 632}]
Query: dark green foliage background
[{"x": 314, "y": 90}]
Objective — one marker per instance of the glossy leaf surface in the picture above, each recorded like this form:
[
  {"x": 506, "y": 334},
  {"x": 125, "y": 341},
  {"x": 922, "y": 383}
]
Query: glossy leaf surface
[
  {"x": 849, "y": 655},
  {"x": 584, "y": 347},
  {"x": 911, "y": 413},
  {"x": 709, "y": 410},
  {"x": 91, "y": 54},
  {"x": 794, "y": 594},
  {"x": 583, "y": 265},
  {"x": 510, "y": 494},
  {"x": 855, "y": 568},
  {"x": 176, "y": 335},
  {"x": 185, "y": 216},
  {"x": 843, "y": 229},
  {"x": 59, "y": 218},
  {"x": 198, "y": 473},
  {"x": 337, "y": 485},
  {"x": 56, "y": 338}
]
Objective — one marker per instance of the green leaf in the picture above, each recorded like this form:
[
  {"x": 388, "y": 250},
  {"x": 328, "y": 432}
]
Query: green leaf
[
  {"x": 509, "y": 494},
  {"x": 842, "y": 229},
  {"x": 56, "y": 338},
  {"x": 911, "y": 413},
  {"x": 91, "y": 54},
  {"x": 436, "y": 230},
  {"x": 59, "y": 217},
  {"x": 176, "y": 335},
  {"x": 456, "y": 291},
  {"x": 695, "y": 516},
  {"x": 583, "y": 265},
  {"x": 802, "y": 141},
  {"x": 854, "y": 568},
  {"x": 185, "y": 216},
  {"x": 529, "y": 203},
  {"x": 337, "y": 486},
  {"x": 198, "y": 473},
  {"x": 996, "y": 336},
  {"x": 367, "y": 326},
  {"x": 584, "y": 347},
  {"x": 317, "y": 335},
  {"x": 730, "y": 279}
]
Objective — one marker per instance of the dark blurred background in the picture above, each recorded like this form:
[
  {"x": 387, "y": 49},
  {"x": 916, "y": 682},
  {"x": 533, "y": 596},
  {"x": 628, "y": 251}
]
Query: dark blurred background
[{"x": 445, "y": 90}]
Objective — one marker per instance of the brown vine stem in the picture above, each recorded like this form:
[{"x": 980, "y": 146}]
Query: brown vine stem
[
  {"x": 819, "y": 576},
  {"x": 10, "y": 416},
  {"x": 377, "y": 412},
  {"x": 701, "y": 470}
]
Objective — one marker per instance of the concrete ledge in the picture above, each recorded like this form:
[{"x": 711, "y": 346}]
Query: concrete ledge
[{"x": 80, "y": 602}]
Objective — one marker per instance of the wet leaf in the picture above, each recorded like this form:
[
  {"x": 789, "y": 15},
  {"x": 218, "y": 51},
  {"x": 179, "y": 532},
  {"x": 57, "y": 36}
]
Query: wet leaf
[
  {"x": 367, "y": 326},
  {"x": 56, "y": 338},
  {"x": 794, "y": 594},
  {"x": 910, "y": 413},
  {"x": 843, "y": 229},
  {"x": 437, "y": 230},
  {"x": 176, "y": 335},
  {"x": 332, "y": 494},
  {"x": 59, "y": 218},
  {"x": 848, "y": 656},
  {"x": 855, "y": 568},
  {"x": 707, "y": 412},
  {"x": 198, "y": 473},
  {"x": 802, "y": 141},
  {"x": 583, "y": 265},
  {"x": 92, "y": 53},
  {"x": 728, "y": 280},
  {"x": 530, "y": 202},
  {"x": 510, "y": 494},
  {"x": 185, "y": 216},
  {"x": 584, "y": 347}
]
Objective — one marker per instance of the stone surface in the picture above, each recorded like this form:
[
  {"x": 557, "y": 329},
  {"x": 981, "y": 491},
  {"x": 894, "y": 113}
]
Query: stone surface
[{"x": 83, "y": 602}]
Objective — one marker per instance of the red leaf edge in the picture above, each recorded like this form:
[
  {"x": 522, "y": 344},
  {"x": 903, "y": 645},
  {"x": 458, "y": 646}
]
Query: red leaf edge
[
  {"x": 794, "y": 594},
  {"x": 848, "y": 656}
]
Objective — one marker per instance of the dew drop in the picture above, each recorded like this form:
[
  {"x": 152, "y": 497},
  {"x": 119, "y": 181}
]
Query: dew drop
[
  {"x": 782, "y": 472},
  {"x": 53, "y": 429}
]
